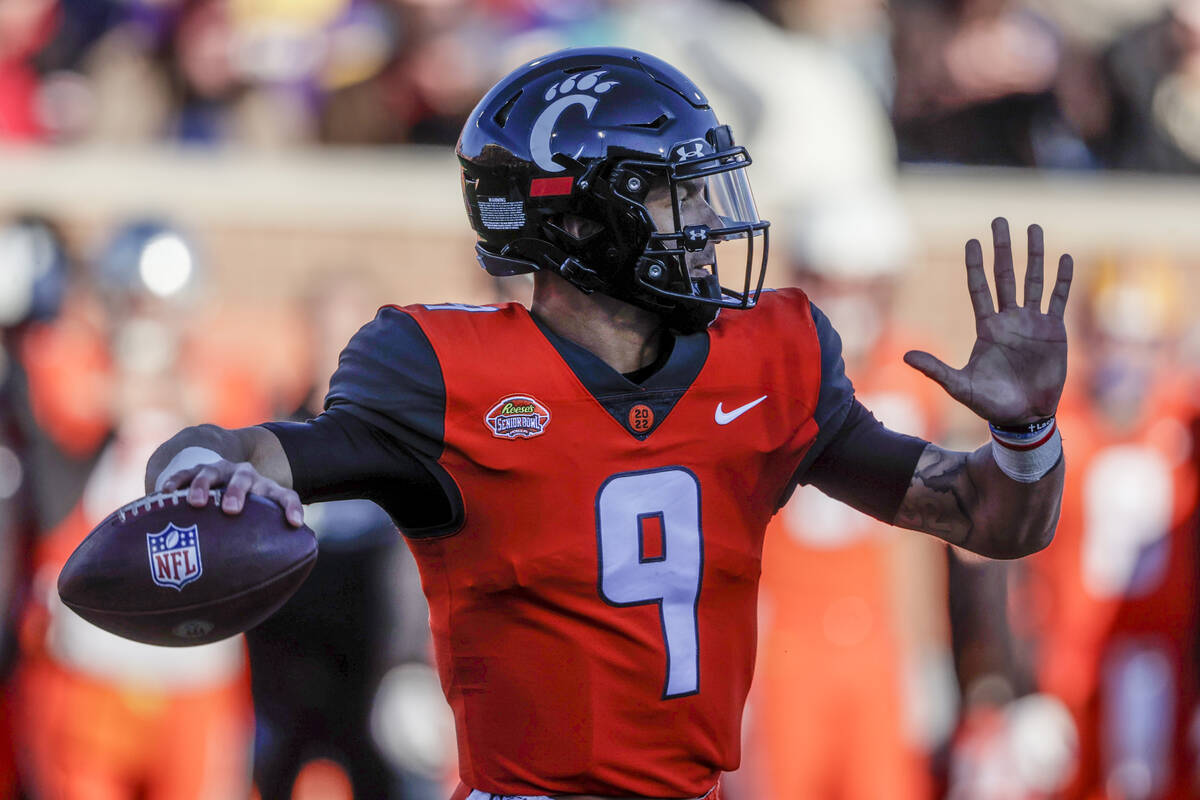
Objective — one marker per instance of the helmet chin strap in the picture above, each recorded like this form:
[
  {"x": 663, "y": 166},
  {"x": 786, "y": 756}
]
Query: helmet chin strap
[
  {"x": 708, "y": 287},
  {"x": 683, "y": 317},
  {"x": 695, "y": 317},
  {"x": 691, "y": 317}
]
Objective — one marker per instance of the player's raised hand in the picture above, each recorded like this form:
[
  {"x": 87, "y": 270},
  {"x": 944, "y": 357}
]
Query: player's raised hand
[{"x": 1017, "y": 368}]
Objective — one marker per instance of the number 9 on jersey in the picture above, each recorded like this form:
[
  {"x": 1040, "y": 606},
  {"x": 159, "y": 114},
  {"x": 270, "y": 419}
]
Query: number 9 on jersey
[{"x": 648, "y": 527}]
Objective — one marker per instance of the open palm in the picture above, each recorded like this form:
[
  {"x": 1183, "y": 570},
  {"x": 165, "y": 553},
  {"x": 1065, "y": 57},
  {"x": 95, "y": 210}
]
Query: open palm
[{"x": 1017, "y": 367}]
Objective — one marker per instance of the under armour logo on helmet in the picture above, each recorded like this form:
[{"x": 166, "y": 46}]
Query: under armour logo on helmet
[
  {"x": 695, "y": 237},
  {"x": 688, "y": 150}
]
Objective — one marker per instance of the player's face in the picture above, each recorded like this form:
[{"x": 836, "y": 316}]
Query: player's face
[{"x": 693, "y": 210}]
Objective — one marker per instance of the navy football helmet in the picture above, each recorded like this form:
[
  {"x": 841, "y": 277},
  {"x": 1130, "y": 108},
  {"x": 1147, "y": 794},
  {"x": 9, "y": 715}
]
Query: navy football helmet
[
  {"x": 557, "y": 162},
  {"x": 34, "y": 270},
  {"x": 146, "y": 260}
]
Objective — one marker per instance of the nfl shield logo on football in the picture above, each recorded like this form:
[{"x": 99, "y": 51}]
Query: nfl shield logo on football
[{"x": 174, "y": 556}]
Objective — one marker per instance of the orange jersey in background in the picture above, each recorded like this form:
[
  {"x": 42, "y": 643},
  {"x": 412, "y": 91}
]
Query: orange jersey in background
[
  {"x": 1111, "y": 604},
  {"x": 103, "y": 718},
  {"x": 829, "y": 710}
]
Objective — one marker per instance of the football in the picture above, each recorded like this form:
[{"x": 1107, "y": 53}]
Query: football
[{"x": 163, "y": 572}]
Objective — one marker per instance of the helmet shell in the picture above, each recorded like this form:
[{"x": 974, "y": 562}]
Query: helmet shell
[
  {"x": 585, "y": 103},
  {"x": 553, "y": 138}
]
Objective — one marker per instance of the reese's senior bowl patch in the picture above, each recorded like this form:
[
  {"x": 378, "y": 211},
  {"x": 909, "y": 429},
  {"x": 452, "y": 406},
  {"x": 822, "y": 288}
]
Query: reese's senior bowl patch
[{"x": 518, "y": 416}]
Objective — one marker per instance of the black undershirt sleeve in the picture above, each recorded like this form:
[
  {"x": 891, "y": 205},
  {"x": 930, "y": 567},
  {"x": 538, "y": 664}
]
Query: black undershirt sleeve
[
  {"x": 339, "y": 455},
  {"x": 865, "y": 465},
  {"x": 854, "y": 458}
]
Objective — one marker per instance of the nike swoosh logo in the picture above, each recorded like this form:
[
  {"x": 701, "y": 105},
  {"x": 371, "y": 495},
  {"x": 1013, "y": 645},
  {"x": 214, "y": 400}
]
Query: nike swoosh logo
[{"x": 724, "y": 417}]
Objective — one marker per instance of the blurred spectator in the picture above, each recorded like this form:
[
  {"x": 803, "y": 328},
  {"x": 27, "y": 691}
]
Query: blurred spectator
[
  {"x": 122, "y": 97},
  {"x": 445, "y": 70},
  {"x": 360, "y": 616},
  {"x": 97, "y": 715},
  {"x": 34, "y": 267},
  {"x": 793, "y": 101},
  {"x": 353, "y": 71},
  {"x": 859, "y": 30},
  {"x": 1155, "y": 78},
  {"x": 25, "y": 26},
  {"x": 1113, "y": 605},
  {"x": 853, "y": 629},
  {"x": 978, "y": 82},
  {"x": 1096, "y": 23},
  {"x": 967, "y": 81}
]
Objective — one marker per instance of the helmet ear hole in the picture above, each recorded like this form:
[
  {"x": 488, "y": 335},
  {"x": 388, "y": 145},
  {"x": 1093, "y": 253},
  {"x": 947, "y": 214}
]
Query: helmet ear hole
[{"x": 581, "y": 229}]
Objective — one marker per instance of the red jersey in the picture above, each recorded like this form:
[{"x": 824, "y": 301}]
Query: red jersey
[{"x": 594, "y": 612}]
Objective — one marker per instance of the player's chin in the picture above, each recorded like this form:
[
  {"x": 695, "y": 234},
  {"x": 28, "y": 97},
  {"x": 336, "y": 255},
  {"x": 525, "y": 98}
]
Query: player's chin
[{"x": 701, "y": 267}]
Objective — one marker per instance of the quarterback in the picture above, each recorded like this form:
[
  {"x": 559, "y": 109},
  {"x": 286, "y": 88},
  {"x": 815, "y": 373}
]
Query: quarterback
[{"x": 585, "y": 484}]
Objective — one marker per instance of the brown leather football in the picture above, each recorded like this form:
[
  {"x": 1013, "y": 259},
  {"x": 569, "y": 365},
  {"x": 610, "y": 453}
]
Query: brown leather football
[{"x": 162, "y": 572}]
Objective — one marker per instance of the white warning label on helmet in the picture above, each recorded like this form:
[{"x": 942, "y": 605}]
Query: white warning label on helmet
[{"x": 502, "y": 214}]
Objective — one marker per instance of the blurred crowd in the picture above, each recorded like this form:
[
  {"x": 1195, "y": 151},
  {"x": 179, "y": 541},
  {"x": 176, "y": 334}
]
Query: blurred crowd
[
  {"x": 103, "y": 356},
  {"x": 1071, "y": 84},
  {"x": 890, "y": 666}
]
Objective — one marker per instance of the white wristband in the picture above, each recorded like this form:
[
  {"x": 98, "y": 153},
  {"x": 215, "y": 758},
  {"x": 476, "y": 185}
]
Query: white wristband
[
  {"x": 186, "y": 458},
  {"x": 1027, "y": 462}
]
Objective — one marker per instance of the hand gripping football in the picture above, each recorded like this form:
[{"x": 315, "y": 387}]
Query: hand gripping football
[{"x": 162, "y": 572}]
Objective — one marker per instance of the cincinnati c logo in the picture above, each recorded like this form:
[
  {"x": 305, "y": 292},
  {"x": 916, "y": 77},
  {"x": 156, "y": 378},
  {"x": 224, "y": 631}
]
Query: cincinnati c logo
[{"x": 542, "y": 134}]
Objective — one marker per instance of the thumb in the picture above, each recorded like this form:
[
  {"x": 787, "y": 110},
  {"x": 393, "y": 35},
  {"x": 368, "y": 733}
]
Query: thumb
[{"x": 936, "y": 370}]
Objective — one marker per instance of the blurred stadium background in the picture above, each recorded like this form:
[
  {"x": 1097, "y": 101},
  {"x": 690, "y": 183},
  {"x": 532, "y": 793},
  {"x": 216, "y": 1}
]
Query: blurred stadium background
[{"x": 201, "y": 199}]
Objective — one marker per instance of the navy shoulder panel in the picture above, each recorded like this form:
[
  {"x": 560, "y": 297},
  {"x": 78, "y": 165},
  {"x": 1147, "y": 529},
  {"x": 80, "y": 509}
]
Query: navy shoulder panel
[
  {"x": 837, "y": 392},
  {"x": 389, "y": 375}
]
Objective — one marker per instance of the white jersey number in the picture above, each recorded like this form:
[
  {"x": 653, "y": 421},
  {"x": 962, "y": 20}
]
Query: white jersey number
[
  {"x": 648, "y": 525},
  {"x": 1128, "y": 494}
]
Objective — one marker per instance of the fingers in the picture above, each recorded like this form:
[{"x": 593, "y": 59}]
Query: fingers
[
  {"x": 246, "y": 480},
  {"x": 179, "y": 479},
  {"x": 1062, "y": 287},
  {"x": 240, "y": 484},
  {"x": 206, "y": 477},
  {"x": 239, "y": 481},
  {"x": 293, "y": 510},
  {"x": 1006, "y": 282},
  {"x": 950, "y": 379},
  {"x": 977, "y": 285},
  {"x": 1033, "y": 272}
]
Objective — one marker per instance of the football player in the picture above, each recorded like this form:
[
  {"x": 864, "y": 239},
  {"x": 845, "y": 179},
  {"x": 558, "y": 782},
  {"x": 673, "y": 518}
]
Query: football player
[
  {"x": 585, "y": 484},
  {"x": 1108, "y": 617}
]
